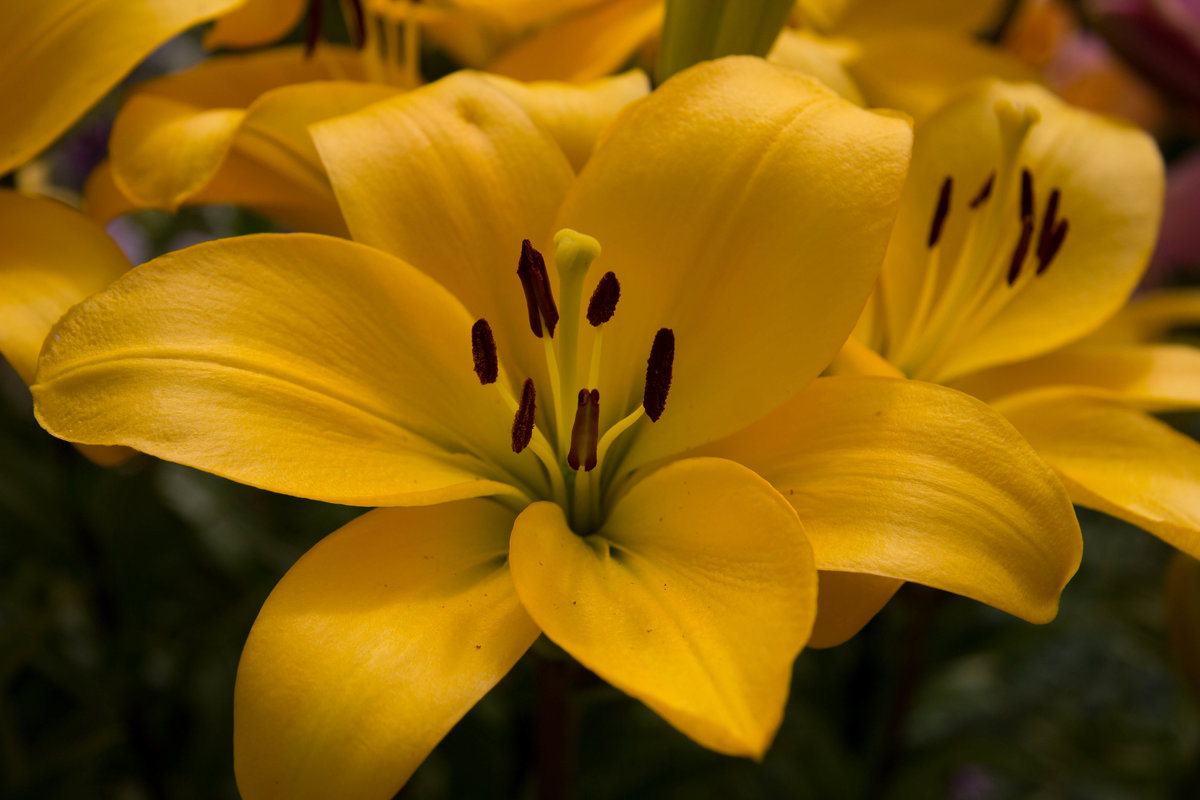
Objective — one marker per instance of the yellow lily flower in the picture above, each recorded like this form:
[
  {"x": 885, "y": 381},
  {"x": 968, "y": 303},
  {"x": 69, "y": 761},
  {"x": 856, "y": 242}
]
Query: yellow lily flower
[
  {"x": 1024, "y": 228},
  {"x": 544, "y": 475}
]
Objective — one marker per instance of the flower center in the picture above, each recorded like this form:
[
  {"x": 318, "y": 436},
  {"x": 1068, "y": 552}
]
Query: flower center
[
  {"x": 963, "y": 290},
  {"x": 573, "y": 457},
  {"x": 386, "y": 34}
]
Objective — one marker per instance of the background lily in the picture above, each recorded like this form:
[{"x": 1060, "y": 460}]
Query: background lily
[
  {"x": 1012, "y": 248},
  {"x": 694, "y": 586}
]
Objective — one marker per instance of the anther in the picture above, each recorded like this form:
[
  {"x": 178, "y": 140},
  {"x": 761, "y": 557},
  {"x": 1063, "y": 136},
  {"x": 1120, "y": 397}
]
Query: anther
[
  {"x": 312, "y": 32},
  {"x": 985, "y": 191},
  {"x": 483, "y": 348},
  {"x": 539, "y": 299},
  {"x": 1052, "y": 246},
  {"x": 1049, "y": 221},
  {"x": 1026, "y": 194},
  {"x": 940, "y": 212},
  {"x": 522, "y": 429},
  {"x": 585, "y": 433},
  {"x": 658, "y": 373},
  {"x": 603, "y": 304},
  {"x": 1022, "y": 250}
]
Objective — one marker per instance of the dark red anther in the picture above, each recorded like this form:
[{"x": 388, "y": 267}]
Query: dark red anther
[
  {"x": 585, "y": 433},
  {"x": 1022, "y": 250},
  {"x": 1026, "y": 194},
  {"x": 1052, "y": 246},
  {"x": 658, "y": 373},
  {"x": 358, "y": 36},
  {"x": 603, "y": 304},
  {"x": 312, "y": 33},
  {"x": 539, "y": 298},
  {"x": 483, "y": 348},
  {"x": 522, "y": 429},
  {"x": 985, "y": 192},
  {"x": 940, "y": 212},
  {"x": 1049, "y": 221}
]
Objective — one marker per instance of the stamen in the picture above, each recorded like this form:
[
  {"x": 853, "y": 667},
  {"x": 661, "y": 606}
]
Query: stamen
[
  {"x": 312, "y": 33},
  {"x": 585, "y": 433},
  {"x": 1022, "y": 250},
  {"x": 940, "y": 212},
  {"x": 1052, "y": 246},
  {"x": 358, "y": 34},
  {"x": 522, "y": 429},
  {"x": 539, "y": 299},
  {"x": 984, "y": 192},
  {"x": 483, "y": 348},
  {"x": 1049, "y": 220},
  {"x": 658, "y": 373},
  {"x": 1026, "y": 194},
  {"x": 603, "y": 304}
]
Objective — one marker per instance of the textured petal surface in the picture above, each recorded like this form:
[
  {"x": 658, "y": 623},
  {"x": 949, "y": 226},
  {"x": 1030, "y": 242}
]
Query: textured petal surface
[
  {"x": 1160, "y": 376},
  {"x": 302, "y": 364},
  {"x": 371, "y": 648},
  {"x": 61, "y": 56},
  {"x": 575, "y": 114},
  {"x": 1118, "y": 460},
  {"x": 53, "y": 258},
  {"x": 695, "y": 596},
  {"x": 746, "y": 208},
  {"x": 913, "y": 481}
]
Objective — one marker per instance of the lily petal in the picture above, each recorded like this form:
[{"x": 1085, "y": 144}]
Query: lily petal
[
  {"x": 301, "y": 364},
  {"x": 695, "y": 596},
  {"x": 913, "y": 481},
  {"x": 1151, "y": 317},
  {"x": 585, "y": 45},
  {"x": 862, "y": 17},
  {"x": 62, "y": 56},
  {"x": 53, "y": 258},
  {"x": 452, "y": 177},
  {"x": 746, "y": 208},
  {"x": 256, "y": 22},
  {"x": 1116, "y": 459},
  {"x": 371, "y": 648},
  {"x": 1159, "y": 377},
  {"x": 575, "y": 114},
  {"x": 818, "y": 56},
  {"x": 846, "y": 602}
]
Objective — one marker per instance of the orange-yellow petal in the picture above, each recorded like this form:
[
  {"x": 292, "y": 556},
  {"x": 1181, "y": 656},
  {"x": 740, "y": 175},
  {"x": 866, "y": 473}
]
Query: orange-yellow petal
[
  {"x": 847, "y": 601},
  {"x": 917, "y": 482},
  {"x": 694, "y": 596},
  {"x": 724, "y": 202},
  {"x": 54, "y": 257},
  {"x": 61, "y": 56},
  {"x": 255, "y": 22},
  {"x": 1116, "y": 459},
  {"x": 302, "y": 364},
  {"x": 371, "y": 648}
]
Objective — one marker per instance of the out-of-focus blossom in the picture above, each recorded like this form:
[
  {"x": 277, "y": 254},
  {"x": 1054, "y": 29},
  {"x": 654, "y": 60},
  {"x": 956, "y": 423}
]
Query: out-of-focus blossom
[
  {"x": 1178, "y": 253},
  {"x": 1159, "y": 38}
]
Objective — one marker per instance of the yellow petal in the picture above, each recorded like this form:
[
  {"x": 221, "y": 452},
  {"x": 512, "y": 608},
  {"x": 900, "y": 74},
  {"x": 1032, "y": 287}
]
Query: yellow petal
[
  {"x": 847, "y": 601},
  {"x": 256, "y": 22},
  {"x": 451, "y": 177},
  {"x": 695, "y": 596},
  {"x": 297, "y": 363},
  {"x": 53, "y": 258},
  {"x": 1151, "y": 317},
  {"x": 371, "y": 648},
  {"x": 866, "y": 16},
  {"x": 61, "y": 56},
  {"x": 1118, "y": 460},
  {"x": 726, "y": 204},
  {"x": 916, "y": 70},
  {"x": 1158, "y": 377},
  {"x": 575, "y": 115},
  {"x": 818, "y": 56},
  {"x": 917, "y": 482},
  {"x": 585, "y": 45},
  {"x": 1110, "y": 237}
]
